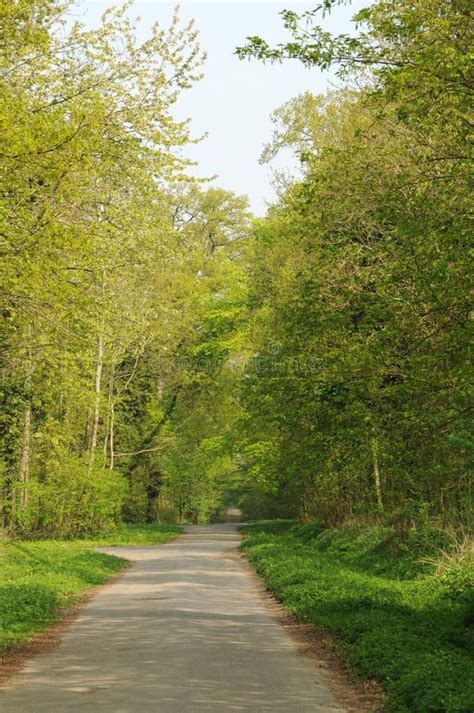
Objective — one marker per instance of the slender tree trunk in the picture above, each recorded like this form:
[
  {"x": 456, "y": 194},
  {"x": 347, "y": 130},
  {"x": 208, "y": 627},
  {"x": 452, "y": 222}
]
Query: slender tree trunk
[
  {"x": 378, "y": 485},
  {"x": 24, "y": 469},
  {"x": 111, "y": 427},
  {"x": 111, "y": 435},
  {"x": 110, "y": 406},
  {"x": 25, "y": 455},
  {"x": 97, "y": 394}
]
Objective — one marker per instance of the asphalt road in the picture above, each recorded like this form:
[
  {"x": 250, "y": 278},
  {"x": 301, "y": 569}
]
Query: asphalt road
[{"x": 185, "y": 630}]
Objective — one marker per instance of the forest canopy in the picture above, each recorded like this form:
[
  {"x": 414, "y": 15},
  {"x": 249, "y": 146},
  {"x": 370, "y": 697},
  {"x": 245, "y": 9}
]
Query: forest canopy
[{"x": 164, "y": 354}]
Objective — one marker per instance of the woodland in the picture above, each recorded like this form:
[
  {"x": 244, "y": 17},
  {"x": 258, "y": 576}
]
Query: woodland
[{"x": 166, "y": 355}]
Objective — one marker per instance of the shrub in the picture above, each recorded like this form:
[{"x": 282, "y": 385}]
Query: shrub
[{"x": 71, "y": 500}]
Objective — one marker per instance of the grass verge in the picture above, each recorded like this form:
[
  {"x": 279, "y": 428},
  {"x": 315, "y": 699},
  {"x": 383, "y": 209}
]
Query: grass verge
[
  {"x": 38, "y": 578},
  {"x": 123, "y": 535},
  {"x": 400, "y": 618}
]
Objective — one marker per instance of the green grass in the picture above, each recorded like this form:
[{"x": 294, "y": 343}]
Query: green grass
[
  {"x": 398, "y": 619},
  {"x": 37, "y": 578}
]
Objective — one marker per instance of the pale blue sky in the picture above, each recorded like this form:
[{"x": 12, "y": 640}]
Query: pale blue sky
[{"x": 234, "y": 101}]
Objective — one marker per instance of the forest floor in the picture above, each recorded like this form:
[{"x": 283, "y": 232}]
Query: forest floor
[
  {"x": 393, "y": 608},
  {"x": 185, "y": 627}
]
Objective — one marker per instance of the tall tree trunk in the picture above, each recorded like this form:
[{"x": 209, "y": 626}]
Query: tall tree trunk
[
  {"x": 109, "y": 426},
  {"x": 97, "y": 395},
  {"x": 111, "y": 435},
  {"x": 378, "y": 485},
  {"x": 24, "y": 468},
  {"x": 25, "y": 454}
]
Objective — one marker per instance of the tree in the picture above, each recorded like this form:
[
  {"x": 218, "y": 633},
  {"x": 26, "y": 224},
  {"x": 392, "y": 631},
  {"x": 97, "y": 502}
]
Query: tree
[
  {"x": 359, "y": 274},
  {"x": 89, "y": 154}
]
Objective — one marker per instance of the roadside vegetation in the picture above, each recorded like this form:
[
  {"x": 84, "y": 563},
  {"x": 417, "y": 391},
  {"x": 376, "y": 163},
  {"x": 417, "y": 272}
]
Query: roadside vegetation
[
  {"x": 39, "y": 578},
  {"x": 401, "y": 611},
  {"x": 133, "y": 534}
]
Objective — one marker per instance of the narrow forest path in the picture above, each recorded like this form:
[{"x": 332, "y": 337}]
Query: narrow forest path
[{"x": 184, "y": 630}]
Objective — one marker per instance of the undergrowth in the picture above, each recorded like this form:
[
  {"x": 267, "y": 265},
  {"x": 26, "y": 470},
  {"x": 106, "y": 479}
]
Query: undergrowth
[
  {"x": 402, "y": 609},
  {"x": 132, "y": 534}
]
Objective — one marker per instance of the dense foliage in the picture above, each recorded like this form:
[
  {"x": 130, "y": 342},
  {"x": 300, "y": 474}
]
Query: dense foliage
[
  {"x": 112, "y": 261},
  {"x": 398, "y": 621},
  {"x": 163, "y": 357},
  {"x": 358, "y": 394}
]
